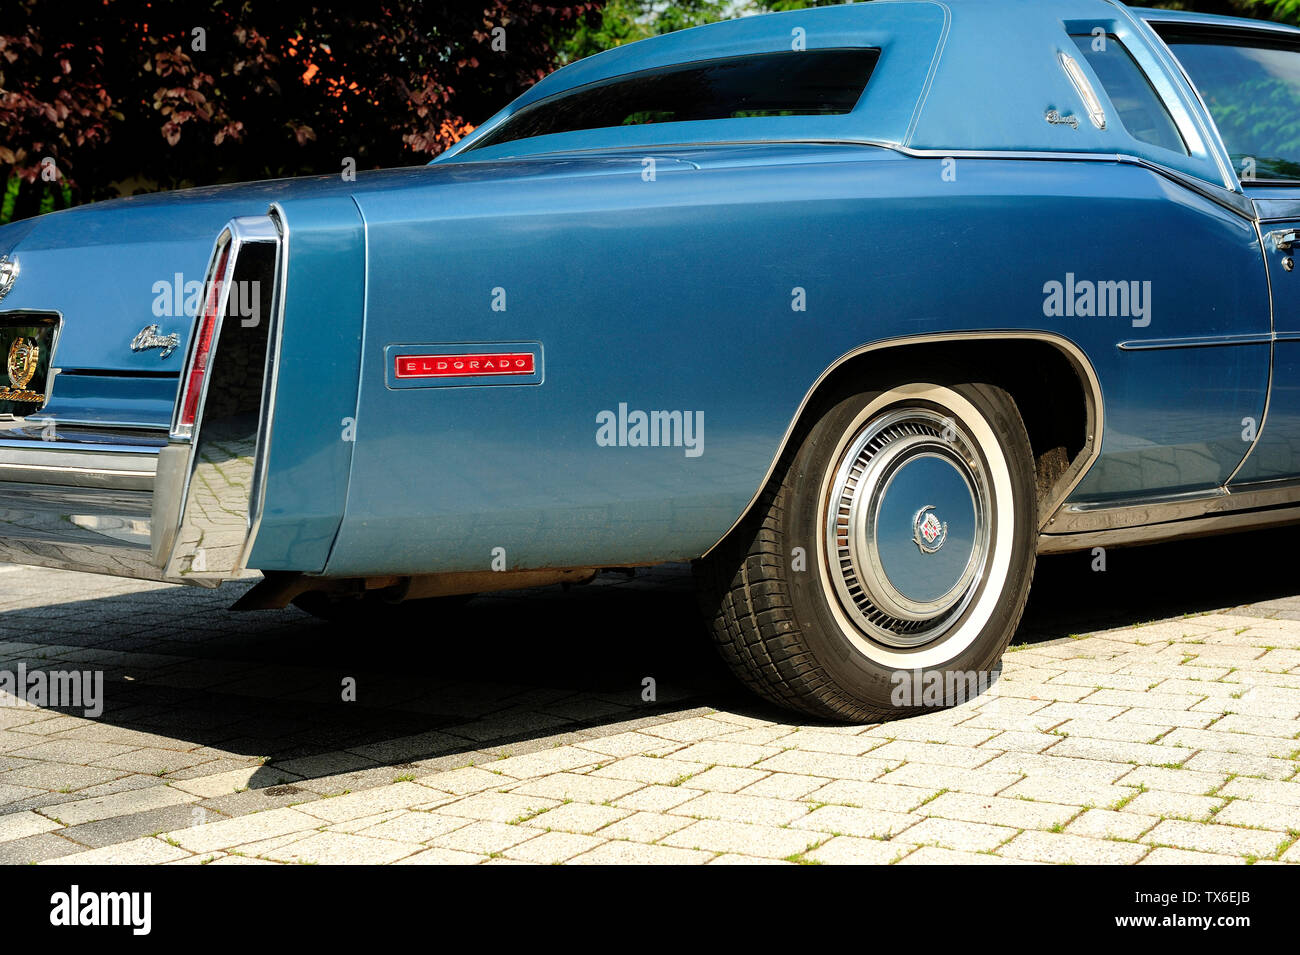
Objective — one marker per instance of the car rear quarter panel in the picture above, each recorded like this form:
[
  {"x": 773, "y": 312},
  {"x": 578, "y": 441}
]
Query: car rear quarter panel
[
  {"x": 679, "y": 294},
  {"x": 318, "y": 377}
]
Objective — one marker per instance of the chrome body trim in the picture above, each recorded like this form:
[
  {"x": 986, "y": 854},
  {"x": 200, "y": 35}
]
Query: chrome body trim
[
  {"x": 1278, "y": 210},
  {"x": 1223, "y": 195},
  {"x": 1226, "y": 197},
  {"x": 1087, "y": 377},
  {"x": 1223, "y": 510},
  {"x": 237, "y": 233},
  {"x": 210, "y": 476},
  {"x": 1265, "y": 26},
  {"x": 1204, "y": 122},
  {"x": 1272, "y": 353},
  {"x": 1084, "y": 88},
  {"x": 103, "y": 442},
  {"x": 79, "y": 467},
  {"x": 1153, "y": 344},
  {"x": 1252, "y": 507},
  {"x": 270, "y": 388},
  {"x": 92, "y": 529},
  {"x": 1174, "y": 530}
]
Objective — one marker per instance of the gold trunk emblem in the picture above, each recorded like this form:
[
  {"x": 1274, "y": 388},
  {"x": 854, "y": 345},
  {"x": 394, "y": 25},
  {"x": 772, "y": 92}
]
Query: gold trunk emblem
[{"x": 23, "y": 355}]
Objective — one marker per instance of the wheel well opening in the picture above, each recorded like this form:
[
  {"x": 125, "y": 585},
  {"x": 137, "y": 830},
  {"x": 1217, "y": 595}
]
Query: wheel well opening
[{"x": 1046, "y": 384}]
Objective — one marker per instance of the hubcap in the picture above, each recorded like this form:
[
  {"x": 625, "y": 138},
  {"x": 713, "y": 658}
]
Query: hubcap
[{"x": 906, "y": 530}]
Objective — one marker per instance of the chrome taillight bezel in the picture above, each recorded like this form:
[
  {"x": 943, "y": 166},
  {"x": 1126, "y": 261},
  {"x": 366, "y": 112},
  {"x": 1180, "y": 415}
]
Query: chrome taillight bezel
[
  {"x": 192, "y": 389},
  {"x": 211, "y": 479}
]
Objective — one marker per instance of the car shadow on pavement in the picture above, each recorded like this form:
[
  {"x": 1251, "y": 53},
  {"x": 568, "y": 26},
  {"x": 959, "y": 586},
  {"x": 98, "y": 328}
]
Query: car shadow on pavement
[
  {"x": 1088, "y": 591},
  {"x": 194, "y": 691}
]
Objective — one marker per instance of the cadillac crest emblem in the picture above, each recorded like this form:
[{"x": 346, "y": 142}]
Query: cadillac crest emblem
[
  {"x": 21, "y": 366},
  {"x": 928, "y": 531},
  {"x": 23, "y": 354}
]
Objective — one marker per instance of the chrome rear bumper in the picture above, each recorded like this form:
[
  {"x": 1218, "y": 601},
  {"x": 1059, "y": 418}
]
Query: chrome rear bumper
[
  {"x": 78, "y": 509},
  {"x": 125, "y": 468},
  {"x": 182, "y": 506}
]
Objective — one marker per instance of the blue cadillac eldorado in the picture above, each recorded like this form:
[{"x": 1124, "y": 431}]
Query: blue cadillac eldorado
[{"x": 859, "y": 308}]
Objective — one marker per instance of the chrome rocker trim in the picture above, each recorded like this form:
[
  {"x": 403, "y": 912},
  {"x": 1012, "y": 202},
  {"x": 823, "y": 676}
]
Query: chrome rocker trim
[{"x": 1198, "y": 514}]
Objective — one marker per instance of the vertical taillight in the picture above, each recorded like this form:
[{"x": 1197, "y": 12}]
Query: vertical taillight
[{"x": 205, "y": 337}]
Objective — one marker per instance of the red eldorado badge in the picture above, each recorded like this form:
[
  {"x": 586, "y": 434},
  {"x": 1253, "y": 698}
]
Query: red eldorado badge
[{"x": 463, "y": 366}]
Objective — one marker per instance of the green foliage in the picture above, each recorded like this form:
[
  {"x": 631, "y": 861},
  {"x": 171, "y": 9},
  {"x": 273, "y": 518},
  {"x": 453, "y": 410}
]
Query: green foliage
[
  {"x": 777, "y": 6},
  {"x": 10, "y": 198},
  {"x": 39, "y": 197},
  {"x": 145, "y": 94},
  {"x": 117, "y": 96},
  {"x": 1282, "y": 11},
  {"x": 625, "y": 21}
]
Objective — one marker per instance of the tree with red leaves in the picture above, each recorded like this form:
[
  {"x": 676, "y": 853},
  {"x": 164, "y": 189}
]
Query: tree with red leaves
[{"x": 105, "y": 96}]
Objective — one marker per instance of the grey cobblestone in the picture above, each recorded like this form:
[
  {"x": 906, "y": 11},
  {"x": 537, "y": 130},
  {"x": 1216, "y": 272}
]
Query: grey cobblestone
[{"x": 1172, "y": 742}]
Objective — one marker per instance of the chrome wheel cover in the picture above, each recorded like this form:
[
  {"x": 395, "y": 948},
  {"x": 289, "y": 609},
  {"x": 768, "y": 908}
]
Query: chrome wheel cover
[{"x": 906, "y": 526}]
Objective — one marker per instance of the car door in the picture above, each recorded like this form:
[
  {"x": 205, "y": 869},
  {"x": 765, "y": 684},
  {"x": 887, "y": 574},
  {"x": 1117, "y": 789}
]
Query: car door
[
  {"x": 1249, "y": 80},
  {"x": 1276, "y": 455},
  {"x": 1184, "y": 409}
]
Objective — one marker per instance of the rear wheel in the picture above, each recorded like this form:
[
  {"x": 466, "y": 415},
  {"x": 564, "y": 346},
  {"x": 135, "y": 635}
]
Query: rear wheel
[{"x": 887, "y": 566}]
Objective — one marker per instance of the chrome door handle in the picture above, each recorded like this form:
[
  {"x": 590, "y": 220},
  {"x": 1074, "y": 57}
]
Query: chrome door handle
[{"x": 1285, "y": 239}]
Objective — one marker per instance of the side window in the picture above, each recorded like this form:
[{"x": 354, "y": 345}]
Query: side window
[
  {"x": 1251, "y": 85},
  {"x": 1140, "y": 109}
]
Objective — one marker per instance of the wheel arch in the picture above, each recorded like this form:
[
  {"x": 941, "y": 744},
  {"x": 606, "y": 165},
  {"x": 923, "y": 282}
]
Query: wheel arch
[{"x": 1026, "y": 364}]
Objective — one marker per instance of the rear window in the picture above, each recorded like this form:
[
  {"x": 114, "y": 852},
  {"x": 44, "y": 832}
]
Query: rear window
[
  {"x": 806, "y": 83},
  {"x": 1141, "y": 111}
]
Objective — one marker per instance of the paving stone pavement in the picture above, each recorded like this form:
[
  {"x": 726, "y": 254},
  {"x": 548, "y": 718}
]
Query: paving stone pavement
[{"x": 1149, "y": 714}]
